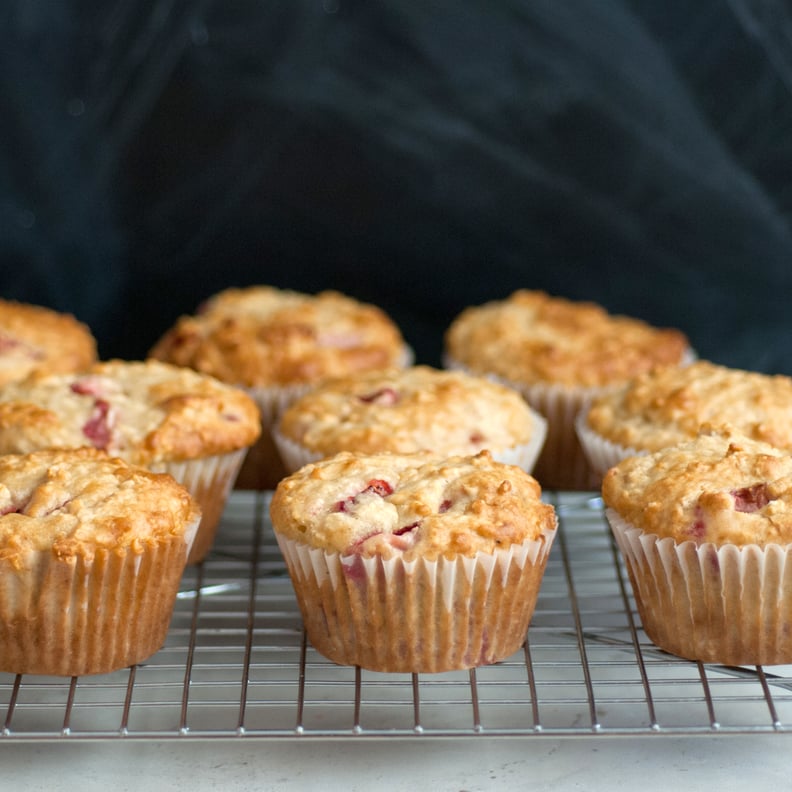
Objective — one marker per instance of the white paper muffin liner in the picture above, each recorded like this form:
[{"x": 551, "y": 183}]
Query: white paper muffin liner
[
  {"x": 562, "y": 465},
  {"x": 602, "y": 454},
  {"x": 524, "y": 455},
  {"x": 209, "y": 481},
  {"x": 417, "y": 616},
  {"x": 89, "y": 615},
  {"x": 729, "y": 605}
]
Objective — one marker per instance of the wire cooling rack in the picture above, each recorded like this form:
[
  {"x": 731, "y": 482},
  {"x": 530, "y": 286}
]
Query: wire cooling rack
[{"x": 236, "y": 664}]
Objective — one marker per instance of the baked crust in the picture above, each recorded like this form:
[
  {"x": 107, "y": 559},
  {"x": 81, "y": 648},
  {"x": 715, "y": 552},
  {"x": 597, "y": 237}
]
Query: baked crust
[
  {"x": 532, "y": 337},
  {"x": 37, "y": 339},
  {"x": 407, "y": 410},
  {"x": 261, "y": 336},
  {"x": 143, "y": 411},
  {"x": 78, "y": 503},
  {"x": 718, "y": 488},
  {"x": 412, "y": 505},
  {"x": 670, "y": 405}
]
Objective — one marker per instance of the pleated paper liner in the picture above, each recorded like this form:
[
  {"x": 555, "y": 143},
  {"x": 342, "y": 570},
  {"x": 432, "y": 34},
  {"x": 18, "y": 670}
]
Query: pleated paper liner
[
  {"x": 562, "y": 465},
  {"x": 89, "y": 614},
  {"x": 729, "y": 605},
  {"x": 602, "y": 454},
  {"x": 209, "y": 480},
  {"x": 417, "y": 616}
]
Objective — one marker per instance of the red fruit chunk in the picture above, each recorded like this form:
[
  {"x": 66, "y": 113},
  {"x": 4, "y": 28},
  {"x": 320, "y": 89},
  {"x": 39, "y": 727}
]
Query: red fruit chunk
[
  {"x": 698, "y": 528},
  {"x": 377, "y": 486},
  {"x": 406, "y": 529},
  {"x": 10, "y": 344},
  {"x": 337, "y": 340},
  {"x": 88, "y": 386},
  {"x": 476, "y": 438},
  {"x": 354, "y": 568},
  {"x": 55, "y": 508},
  {"x": 384, "y": 396},
  {"x": 444, "y": 506},
  {"x": 97, "y": 429},
  {"x": 182, "y": 339},
  {"x": 751, "y": 499},
  {"x": 356, "y": 545},
  {"x": 7, "y": 343}
]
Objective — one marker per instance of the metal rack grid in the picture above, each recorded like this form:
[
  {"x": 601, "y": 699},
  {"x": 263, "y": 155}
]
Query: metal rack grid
[{"x": 236, "y": 664}]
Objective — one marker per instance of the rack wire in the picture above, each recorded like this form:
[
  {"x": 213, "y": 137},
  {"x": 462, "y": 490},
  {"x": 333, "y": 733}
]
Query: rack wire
[{"x": 236, "y": 664}]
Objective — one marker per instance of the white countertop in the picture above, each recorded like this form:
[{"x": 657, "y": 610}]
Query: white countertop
[{"x": 592, "y": 764}]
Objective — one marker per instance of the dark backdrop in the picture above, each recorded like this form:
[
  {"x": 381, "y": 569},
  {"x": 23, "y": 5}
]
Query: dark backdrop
[{"x": 423, "y": 156}]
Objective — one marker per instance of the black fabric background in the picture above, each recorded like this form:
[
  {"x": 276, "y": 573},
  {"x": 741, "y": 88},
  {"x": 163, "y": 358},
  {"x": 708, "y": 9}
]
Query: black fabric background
[{"x": 423, "y": 156}]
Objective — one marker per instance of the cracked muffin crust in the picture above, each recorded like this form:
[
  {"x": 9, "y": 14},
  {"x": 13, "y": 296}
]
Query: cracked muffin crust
[
  {"x": 670, "y": 405},
  {"x": 410, "y": 504},
  {"x": 149, "y": 413},
  {"x": 75, "y": 503},
  {"x": 718, "y": 488},
  {"x": 261, "y": 336},
  {"x": 414, "y": 563},
  {"x": 705, "y": 528},
  {"x": 143, "y": 411},
  {"x": 37, "y": 339},
  {"x": 535, "y": 337},
  {"x": 413, "y": 409},
  {"x": 91, "y": 554}
]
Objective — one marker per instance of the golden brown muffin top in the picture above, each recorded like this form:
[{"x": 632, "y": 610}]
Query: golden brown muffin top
[
  {"x": 531, "y": 337},
  {"x": 406, "y": 410},
  {"x": 261, "y": 336},
  {"x": 74, "y": 503},
  {"x": 419, "y": 505},
  {"x": 142, "y": 411},
  {"x": 37, "y": 339},
  {"x": 669, "y": 405},
  {"x": 717, "y": 488}
]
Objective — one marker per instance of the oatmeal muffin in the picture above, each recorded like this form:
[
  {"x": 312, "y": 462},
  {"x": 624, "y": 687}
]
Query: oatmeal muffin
[
  {"x": 705, "y": 528},
  {"x": 670, "y": 405},
  {"x": 92, "y": 551},
  {"x": 163, "y": 417},
  {"x": 559, "y": 354},
  {"x": 277, "y": 344},
  {"x": 36, "y": 339},
  {"x": 414, "y": 562},
  {"x": 418, "y": 408}
]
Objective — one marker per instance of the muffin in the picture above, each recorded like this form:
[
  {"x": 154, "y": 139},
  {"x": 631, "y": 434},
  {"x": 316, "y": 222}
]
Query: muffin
[
  {"x": 559, "y": 354},
  {"x": 705, "y": 528},
  {"x": 417, "y": 408},
  {"x": 414, "y": 562},
  {"x": 277, "y": 344},
  {"x": 149, "y": 413},
  {"x": 35, "y": 339},
  {"x": 671, "y": 405},
  {"x": 92, "y": 551}
]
